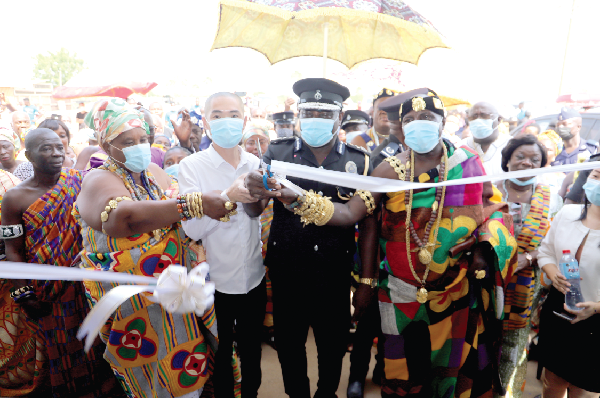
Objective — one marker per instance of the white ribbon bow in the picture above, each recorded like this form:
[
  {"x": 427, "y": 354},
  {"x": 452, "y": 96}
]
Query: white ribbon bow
[{"x": 175, "y": 289}]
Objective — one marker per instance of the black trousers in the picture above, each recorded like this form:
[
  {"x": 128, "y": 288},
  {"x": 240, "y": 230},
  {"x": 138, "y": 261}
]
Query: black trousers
[
  {"x": 298, "y": 305},
  {"x": 367, "y": 329},
  {"x": 246, "y": 312}
]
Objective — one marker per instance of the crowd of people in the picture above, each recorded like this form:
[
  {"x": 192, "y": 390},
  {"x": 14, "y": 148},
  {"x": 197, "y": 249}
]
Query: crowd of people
[{"x": 451, "y": 282}]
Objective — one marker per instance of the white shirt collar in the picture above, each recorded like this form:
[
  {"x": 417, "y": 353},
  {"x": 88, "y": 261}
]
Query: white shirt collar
[{"x": 217, "y": 160}]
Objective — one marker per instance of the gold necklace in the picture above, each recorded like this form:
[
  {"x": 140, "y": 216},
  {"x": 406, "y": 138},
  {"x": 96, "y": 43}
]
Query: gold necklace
[{"x": 424, "y": 251}]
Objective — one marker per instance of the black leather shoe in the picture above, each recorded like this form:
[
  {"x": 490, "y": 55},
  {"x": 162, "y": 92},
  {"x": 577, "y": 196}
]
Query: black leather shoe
[{"x": 356, "y": 389}]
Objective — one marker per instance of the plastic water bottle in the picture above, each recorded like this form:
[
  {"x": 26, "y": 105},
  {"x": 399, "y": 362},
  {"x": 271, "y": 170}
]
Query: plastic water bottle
[{"x": 569, "y": 267}]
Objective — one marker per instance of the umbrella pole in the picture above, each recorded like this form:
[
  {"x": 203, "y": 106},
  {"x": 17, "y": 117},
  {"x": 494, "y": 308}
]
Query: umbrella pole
[{"x": 325, "y": 34}]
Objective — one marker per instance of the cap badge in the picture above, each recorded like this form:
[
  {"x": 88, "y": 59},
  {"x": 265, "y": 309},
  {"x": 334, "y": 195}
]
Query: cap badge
[
  {"x": 349, "y": 117},
  {"x": 318, "y": 95},
  {"x": 418, "y": 104},
  {"x": 389, "y": 150},
  {"x": 437, "y": 103}
]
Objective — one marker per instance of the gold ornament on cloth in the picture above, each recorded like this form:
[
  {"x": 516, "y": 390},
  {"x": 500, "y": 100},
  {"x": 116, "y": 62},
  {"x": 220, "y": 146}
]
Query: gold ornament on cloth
[
  {"x": 438, "y": 103},
  {"x": 418, "y": 104},
  {"x": 480, "y": 274},
  {"x": 368, "y": 198},
  {"x": 425, "y": 256}
]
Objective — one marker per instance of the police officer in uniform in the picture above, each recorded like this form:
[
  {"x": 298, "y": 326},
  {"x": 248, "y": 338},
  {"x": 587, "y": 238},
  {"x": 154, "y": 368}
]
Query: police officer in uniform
[
  {"x": 309, "y": 266},
  {"x": 284, "y": 124},
  {"x": 391, "y": 145},
  {"x": 355, "y": 123},
  {"x": 568, "y": 127}
]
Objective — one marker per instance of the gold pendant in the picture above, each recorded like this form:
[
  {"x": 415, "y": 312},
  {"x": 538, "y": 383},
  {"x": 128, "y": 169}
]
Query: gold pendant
[
  {"x": 424, "y": 256},
  {"x": 422, "y": 295}
]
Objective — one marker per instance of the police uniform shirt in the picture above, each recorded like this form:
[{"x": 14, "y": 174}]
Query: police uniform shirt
[
  {"x": 586, "y": 149},
  {"x": 388, "y": 147},
  {"x": 319, "y": 252}
]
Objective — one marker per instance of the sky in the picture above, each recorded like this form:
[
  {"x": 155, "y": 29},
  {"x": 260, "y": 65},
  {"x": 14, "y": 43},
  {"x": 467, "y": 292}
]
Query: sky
[{"x": 505, "y": 51}]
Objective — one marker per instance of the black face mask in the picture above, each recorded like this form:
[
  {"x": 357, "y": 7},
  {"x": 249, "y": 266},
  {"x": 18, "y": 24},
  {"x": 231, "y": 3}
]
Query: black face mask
[{"x": 564, "y": 132}]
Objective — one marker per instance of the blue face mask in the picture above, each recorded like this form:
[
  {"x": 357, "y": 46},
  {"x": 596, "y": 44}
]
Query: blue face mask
[
  {"x": 137, "y": 157},
  {"x": 520, "y": 183},
  {"x": 284, "y": 132},
  {"x": 481, "y": 128},
  {"x": 592, "y": 191},
  {"x": 317, "y": 132},
  {"x": 421, "y": 135},
  {"x": 173, "y": 170},
  {"x": 227, "y": 132}
]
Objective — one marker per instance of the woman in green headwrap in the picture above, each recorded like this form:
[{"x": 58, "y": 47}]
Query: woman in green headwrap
[{"x": 129, "y": 225}]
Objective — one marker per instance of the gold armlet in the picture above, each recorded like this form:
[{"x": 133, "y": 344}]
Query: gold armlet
[
  {"x": 368, "y": 198},
  {"x": 112, "y": 205},
  {"x": 398, "y": 166}
]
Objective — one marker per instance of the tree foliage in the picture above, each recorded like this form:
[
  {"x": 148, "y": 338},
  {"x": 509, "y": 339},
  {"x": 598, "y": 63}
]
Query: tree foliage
[{"x": 48, "y": 66}]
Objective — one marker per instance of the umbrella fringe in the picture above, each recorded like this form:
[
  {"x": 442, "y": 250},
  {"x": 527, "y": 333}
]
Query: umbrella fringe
[{"x": 334, "y": 12}]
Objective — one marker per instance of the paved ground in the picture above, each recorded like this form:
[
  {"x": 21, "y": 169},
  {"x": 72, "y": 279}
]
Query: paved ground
[{"x": 272, "y": 384}]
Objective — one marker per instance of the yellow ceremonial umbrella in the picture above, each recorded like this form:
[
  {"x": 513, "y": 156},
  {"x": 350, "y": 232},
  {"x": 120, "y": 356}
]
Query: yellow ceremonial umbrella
[{"x": 346, "y": 31}]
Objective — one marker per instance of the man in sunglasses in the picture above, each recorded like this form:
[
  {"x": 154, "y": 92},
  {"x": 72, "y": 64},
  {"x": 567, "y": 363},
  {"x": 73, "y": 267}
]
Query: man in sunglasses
[{"x": 486, "y": 139}]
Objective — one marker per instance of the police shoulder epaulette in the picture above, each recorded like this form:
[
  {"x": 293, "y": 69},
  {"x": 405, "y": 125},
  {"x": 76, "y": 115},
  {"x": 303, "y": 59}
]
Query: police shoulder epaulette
[
  {"x": 358, "y": 148},
  {"x": 592, "y": 143}
]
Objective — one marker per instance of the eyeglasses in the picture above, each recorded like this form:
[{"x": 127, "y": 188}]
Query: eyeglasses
[
  {"x": 310, "y": 114},
  {"x": 482, "y": 115}
]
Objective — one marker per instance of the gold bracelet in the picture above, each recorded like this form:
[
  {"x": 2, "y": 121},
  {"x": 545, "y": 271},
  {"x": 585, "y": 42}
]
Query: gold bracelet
[
  {"x": 112, "y": 205},
  {"x": 201, "y": 208},
  {"x": 368, "y": 198},
  {"x": 315, "y": 209}
]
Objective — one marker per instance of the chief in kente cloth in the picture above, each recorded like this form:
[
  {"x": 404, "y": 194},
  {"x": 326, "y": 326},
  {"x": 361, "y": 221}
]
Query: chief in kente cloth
[
  {"x": 448, "y": 254},
  {"x": 309, "y": 266}
]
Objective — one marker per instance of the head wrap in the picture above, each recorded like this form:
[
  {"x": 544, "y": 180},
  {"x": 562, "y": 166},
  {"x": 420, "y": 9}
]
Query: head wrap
[
  {"x": 257, "y": 127},
  {"x": 112, "y": 117},
  {"x": 553, "y": 137},
  {"x": 7, "y": 134}
]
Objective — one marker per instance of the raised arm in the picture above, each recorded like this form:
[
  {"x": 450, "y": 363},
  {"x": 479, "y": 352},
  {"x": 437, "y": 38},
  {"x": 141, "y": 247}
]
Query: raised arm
[{"x": 127, "y": 217}]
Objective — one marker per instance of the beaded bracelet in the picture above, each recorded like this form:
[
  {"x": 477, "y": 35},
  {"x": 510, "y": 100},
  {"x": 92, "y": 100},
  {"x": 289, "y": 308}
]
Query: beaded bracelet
[
  {"x": 23, "y": 297},
  {"x": 21, "y": 290}
]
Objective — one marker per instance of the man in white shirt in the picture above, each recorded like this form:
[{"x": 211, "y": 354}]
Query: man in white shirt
[
  {"x": 233, "y": 248},
  {"x": 486, "y": 140}
]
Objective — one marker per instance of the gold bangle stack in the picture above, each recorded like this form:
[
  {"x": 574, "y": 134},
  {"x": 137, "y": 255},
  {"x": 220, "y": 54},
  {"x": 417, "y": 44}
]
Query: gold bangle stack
[
  {"x": 315, "y": 209},
  {"x": 194, "y": 200},
  {"x": 368, "y": 198},
  {"x": 112, "y": 205}
]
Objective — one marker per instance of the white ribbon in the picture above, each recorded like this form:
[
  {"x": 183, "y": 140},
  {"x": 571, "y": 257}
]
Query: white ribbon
[
  {"x": 175, "y": 289},
  {"x": 378, "y": 184}
]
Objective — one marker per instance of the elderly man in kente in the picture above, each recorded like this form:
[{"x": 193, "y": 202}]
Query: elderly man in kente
[
  {"x": 529, "y": 202},
  {"x": 38, "y": 227},
  {"x": 153, "y": 353},
  {"x": 448, "y": 255}
]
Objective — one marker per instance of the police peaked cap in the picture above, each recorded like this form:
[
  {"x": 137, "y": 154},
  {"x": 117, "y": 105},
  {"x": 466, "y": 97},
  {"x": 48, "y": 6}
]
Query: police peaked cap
[
  {"x": 286, "y": 117},
  {"x": 319, "y": 90},
  {"x": 355, "y": 117}
]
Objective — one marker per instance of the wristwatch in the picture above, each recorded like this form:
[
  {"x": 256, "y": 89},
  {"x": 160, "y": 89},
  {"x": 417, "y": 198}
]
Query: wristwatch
[
  {"x": 371, "y": 282},
  {"x": 528, "y": 257}
]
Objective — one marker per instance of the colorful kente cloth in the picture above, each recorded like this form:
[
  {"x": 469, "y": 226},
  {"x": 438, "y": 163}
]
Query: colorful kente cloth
[
  {"x": 447, "y": 346},
  {"x": 265, "y": 229},
  {"x": 53, "y": 237},
  {"x": 152, "y": 353},
  {"x": 519, "y": 292},
  {"x": 519, "y": 296}
]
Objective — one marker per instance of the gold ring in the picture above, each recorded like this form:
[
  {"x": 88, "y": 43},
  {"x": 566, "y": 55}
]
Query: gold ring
[
  {"x": 480, "y": 274},
  {"x": 225, "y": 218},
  {"x": 228, "y": 205}
]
